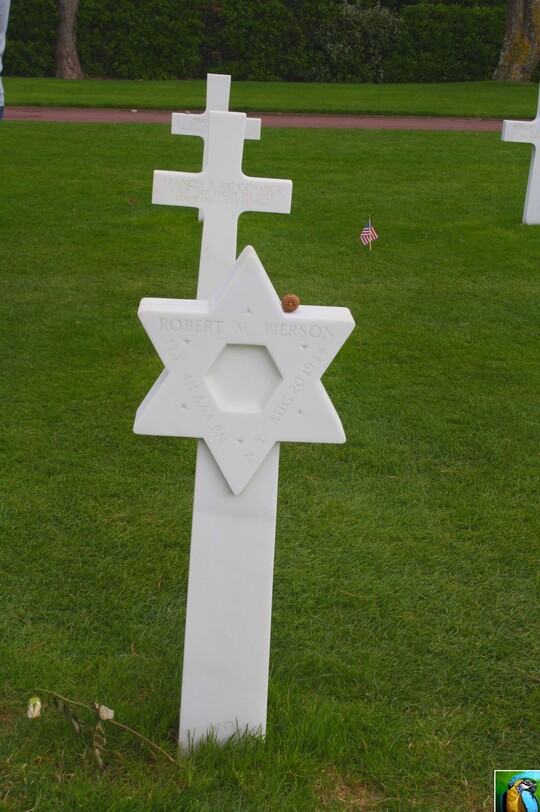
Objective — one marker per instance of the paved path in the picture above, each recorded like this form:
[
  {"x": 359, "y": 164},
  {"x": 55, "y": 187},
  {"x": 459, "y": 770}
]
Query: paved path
[{"x": 83, "y": 114}]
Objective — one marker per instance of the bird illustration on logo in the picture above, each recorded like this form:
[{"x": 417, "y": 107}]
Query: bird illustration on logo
[{"x": 520, "y": 795}]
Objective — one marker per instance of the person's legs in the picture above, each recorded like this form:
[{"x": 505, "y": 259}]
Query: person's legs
[{"x": 4, "y": 14}]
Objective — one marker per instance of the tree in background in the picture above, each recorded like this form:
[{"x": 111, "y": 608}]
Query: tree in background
[
  {"x": 290, "y": 40},
  {"x": 520, "y": 53},
  {"x": 67, "y": 59}
]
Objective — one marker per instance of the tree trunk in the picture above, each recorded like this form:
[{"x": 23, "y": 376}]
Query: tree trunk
[
  {"x": 520, "y": 52},
  {"x": 67, "y": 59}
]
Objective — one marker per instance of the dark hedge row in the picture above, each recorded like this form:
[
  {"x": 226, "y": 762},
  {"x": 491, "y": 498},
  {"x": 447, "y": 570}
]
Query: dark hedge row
[{"x": 302, "y": 40}]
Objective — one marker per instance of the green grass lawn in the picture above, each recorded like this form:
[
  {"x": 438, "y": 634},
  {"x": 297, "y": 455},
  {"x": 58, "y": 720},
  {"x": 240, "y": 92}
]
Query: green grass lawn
[
  {"x": 404, "y": 660},
  {"x": 476, "y": 99}
]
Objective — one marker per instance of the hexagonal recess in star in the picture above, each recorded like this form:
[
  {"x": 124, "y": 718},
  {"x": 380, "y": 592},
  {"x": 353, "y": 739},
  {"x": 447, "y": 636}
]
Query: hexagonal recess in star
[{"x": 243, "y": 378}]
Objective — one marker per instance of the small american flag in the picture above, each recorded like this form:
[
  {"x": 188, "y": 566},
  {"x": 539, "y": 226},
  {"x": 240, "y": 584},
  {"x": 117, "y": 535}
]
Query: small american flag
[{"x": 368, "y": 234}]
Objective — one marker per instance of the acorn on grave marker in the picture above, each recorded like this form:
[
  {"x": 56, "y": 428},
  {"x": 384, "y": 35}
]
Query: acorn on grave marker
[{"x": 290, "y": 303}]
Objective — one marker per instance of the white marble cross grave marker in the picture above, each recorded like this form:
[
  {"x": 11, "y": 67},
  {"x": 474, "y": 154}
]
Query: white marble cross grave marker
[
  {"x": 222, "y": 192},
  {"x": 528, "y": 132},
  {"x": 241, "y": 375},
  {"x": 218, "y": 89}
]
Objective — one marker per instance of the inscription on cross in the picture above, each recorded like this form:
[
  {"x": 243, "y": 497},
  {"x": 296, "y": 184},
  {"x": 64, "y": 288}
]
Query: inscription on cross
[
  {"x": 528, "y": 132},
  {"x": 222, "y": 192}
]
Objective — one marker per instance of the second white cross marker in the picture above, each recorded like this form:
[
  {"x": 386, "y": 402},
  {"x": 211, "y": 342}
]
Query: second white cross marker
[{"x": 528, "y": 132}]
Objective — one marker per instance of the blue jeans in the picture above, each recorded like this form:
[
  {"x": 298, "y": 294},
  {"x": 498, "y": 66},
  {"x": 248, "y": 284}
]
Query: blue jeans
[{"x": 1, "y": 112}]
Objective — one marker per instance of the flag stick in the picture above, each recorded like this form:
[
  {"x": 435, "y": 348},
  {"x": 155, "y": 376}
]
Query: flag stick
[{"x": 369, "y": 223}]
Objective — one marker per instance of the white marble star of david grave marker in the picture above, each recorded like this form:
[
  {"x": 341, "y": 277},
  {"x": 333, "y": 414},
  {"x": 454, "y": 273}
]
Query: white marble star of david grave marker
[
  {"x": 528, "y": 132},
  {"x": 241, "y": 375},
  {"x": 218, "y": 89}
]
